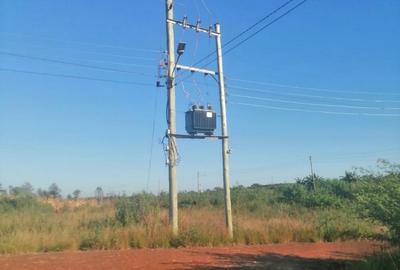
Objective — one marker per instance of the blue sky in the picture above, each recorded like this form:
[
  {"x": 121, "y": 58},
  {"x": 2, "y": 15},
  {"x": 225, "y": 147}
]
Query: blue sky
[{"x": 323, "y": 81}]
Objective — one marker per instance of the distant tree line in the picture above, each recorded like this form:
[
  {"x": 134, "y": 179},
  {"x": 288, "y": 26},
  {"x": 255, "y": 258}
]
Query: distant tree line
[{"x": 53, "y": 191}]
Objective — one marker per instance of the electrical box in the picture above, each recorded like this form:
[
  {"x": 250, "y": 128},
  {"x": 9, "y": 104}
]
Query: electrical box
[{"x": 201, "y": 120}]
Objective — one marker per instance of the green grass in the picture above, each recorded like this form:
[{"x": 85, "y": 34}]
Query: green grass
[
  {"x": 87, "y": 227},
  {"x": 387, "y": 260},
  {"x": 355, "y": 207}
]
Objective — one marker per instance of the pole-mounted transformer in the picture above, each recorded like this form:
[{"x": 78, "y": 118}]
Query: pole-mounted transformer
[{"x": 200, "y": 119}]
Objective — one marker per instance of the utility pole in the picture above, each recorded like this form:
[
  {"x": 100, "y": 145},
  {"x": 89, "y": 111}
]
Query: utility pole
[
  {"x": 198, "y": 182},
  {"x": 224, "y": 127},
  {"x": 312, "y": 173},
  {"x": 171, "y": 118},
  {"x": 173, "y": 195}
]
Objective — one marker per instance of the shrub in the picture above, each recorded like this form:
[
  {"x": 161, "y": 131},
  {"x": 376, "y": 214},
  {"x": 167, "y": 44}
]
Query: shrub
[
  {"x": 88, "y": 243},
  {"x": 21, "y": 203},
  {"x": 380, "y": 200},
  {"x": 342, "y": 224},
  {"x": 387, "y": 260},
  {"x": 136, "y": 209}
]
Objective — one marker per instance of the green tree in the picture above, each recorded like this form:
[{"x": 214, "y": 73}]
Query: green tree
[
  {"x": 2, "y": 190},
  {"x": 380, "y": 199},
  {"x": 349, "y": 177},
  {"x": 99, "y": 194},
  {"x": 76, "y": 193},
  {"x": 310, "y": 181},
  {"x": 43, "y": 193},
  {"x": 54, "y": 191},
  {"x": 24, "y": 190}
]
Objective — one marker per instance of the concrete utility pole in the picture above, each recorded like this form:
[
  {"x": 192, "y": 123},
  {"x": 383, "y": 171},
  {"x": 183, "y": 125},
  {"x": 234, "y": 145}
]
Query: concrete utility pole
[
  {"x": 312, "y": 173},
  {"x": 171, "y": 132},
  {"x": 173, "y": 195},
  {"x": 198, "y": 182},
  {"x": 224, "y": 127}
]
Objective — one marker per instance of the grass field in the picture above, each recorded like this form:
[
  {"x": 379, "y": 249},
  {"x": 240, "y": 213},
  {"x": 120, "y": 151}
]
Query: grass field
[
  {"x": 354, "y": 207},
  {"x": 95, "y": 227}
]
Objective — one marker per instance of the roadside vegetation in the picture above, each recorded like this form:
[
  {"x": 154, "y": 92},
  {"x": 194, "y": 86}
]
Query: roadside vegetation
[{"x": 360, "y": 205}]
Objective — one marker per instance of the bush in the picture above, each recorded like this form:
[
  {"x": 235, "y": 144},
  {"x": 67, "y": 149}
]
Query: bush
[
  {"x": 21, "y": 203},
  {"x": 342, "y": 224},
  {"x": 385, "y": 260},
  {"x": 88, "y": 243},
  {"x": 380, "y": 200},
  {"x": 301, "y": 195},
  {"x": 136, "y": 209}
]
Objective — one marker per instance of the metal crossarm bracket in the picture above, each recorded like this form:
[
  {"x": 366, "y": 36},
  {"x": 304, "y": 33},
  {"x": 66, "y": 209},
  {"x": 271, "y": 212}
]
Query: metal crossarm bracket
[
  {"x": 194, "y": 69},
  {"x": 185, "y": 136},
  {"x": 195, "y": 27}
]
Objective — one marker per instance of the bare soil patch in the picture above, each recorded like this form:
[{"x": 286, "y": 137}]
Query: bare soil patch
[{"x": 275, "y": 256}]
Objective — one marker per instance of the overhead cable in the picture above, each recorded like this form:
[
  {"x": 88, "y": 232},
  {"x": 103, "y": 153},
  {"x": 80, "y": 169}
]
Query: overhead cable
[
  {"x": 314, "y": 104},
  {"x": 69, "y": 76},
  {"x": 59, "y": 61},
  {"x": 264, "y": 27},
  {"x": 282, "y": 93},
  {"x": 314, "y": 111},
  {"x": 82, "y": 43},
  {"x": 249, "y": 37},
  {"x": 312, "y": 88},
  {"x": 246, "y": 30}
]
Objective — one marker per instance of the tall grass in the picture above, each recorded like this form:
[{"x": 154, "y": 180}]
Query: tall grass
[
  {"x": 103, "y": 226},
  {"x": 262, "y": 214},
  {"x": 387, "y": 260}
]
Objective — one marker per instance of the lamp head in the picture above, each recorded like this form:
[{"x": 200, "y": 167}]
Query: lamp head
[{"x": 181, "y": 48}]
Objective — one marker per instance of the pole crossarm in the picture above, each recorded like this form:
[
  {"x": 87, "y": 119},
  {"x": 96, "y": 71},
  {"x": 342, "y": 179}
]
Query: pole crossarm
[
  {"x": 195, "y": 27},
  {"x": 185, "y": 136},
  {"x": 194, "y": 69}
]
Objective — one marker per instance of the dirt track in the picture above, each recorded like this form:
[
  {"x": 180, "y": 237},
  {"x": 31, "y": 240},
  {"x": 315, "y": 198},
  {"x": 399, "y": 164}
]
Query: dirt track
[{"x": 277, "y": 256}]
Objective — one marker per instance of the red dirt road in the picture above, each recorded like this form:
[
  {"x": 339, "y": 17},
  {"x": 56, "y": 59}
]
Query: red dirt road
[{"x": 276, "y": 256}]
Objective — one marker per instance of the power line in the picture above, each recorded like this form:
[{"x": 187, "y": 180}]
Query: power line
[
  {"x": 264, "y": 27},
  {"x": 313, "y": 104},
  {"x": 311, "y": 88},
  {"x": 206, "y": 8},
  {"x": 314, "y": 111},
  {"x": 68, "y": 76},
  {"x": 108, "y": 62},
  {"x": 269, "y": 91},
  {"x": 152, "y": 141},
  {"x": 246, "y": 30},
  {"x": 249, "y": 37},
  {"x": 58, "y": 61},
  {"x": 90, "y": 52},
  {"x": 277, "y": 92},
  {"x": 82, "y": 43},
  {"x": 104, "y": 54}
]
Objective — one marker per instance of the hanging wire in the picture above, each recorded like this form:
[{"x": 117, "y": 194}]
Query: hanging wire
[
  {"x": 210, "y": 14},
  {"x": 283, "y": 108},
  {"x": 186, "y": 93},
  {"x": 72, "y": 76},
  {"x": 90, "y": 44},
  {"x": 207, "y": 89},
  {"x": 316, "y": 89},
  {"x": 162, "y": 68},
  {"x": 197, "y": 9},
  {"x": 71, "y": 63},
  {"x": 165, "y": 149},
  {"x": 177, "y": 156},
  {"x": 152, "y": 141},
  {"x": 198, "y": 90}
]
